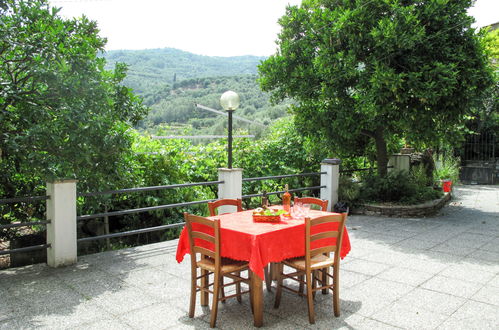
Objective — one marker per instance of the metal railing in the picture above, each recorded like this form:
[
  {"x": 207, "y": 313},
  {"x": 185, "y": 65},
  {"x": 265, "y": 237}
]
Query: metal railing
[
  {"x": 281, "y": 177},
  {"x": 361, "y": 169},
  {"x": 140, "y": 210},
  {"x": 23, "y": 199},
  {"x": 28, "y": 199},
  {"x": 129, "y": 190}
]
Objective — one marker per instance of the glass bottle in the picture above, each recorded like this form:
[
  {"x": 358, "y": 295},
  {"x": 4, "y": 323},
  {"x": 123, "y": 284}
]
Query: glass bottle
[
  {"x": 286, "y": 199},
  {"x": 265, "y": 200}
]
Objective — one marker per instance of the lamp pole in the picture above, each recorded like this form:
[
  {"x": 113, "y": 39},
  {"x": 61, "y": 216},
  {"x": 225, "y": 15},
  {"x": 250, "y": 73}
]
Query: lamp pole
[
  {"x": 230, "y": 102},
  {"x": 229, "y": 149}
]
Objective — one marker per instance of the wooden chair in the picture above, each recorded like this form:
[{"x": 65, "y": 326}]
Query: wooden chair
[
  {"x": 322, "y": 203},
  {"x": 314, "y": 262},
  {"x": 212, "y": 206},
  {"x": 211, "y": 262}
]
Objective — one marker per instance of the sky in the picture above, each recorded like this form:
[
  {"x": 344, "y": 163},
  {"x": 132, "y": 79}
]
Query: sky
[{"x": 204, "y": 27}]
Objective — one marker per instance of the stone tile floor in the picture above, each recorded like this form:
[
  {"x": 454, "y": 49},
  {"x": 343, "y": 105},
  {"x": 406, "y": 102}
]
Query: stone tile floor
[{"x": 432, "y": 273}]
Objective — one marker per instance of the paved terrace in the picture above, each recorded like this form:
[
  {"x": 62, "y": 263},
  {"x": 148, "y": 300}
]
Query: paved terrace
[{"x": 435, "y": 273}]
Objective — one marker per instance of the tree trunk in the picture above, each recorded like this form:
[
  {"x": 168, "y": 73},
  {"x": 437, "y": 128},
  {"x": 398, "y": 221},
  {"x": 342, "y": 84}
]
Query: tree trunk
[
  {"x": 381, "y": 152},
  {"x": 381, "y": 149}
]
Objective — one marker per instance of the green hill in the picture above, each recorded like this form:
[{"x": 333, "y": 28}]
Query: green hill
[
  {"x": 172, "y": 81},
  {"x": 177, "y": 105},
  {"x": 151, "y": 68}
]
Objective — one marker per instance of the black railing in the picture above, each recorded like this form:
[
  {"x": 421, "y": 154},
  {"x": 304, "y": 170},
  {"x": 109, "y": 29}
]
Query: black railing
[
  {"x": 141, "y": 210},
  {"x": 28, "y": 199},
  {"x": 132, "y": 232},
  {"x": 129, "y": 190},
  {"x": 25, "y": 249},
  {"x": 282, "y": 192},
  {"x": 362, "y": 169},
  {"x": 282, "y": 176}
]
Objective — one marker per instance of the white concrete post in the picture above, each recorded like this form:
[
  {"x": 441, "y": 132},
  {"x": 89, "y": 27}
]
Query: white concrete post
[
  {"x": 61, "y": 231},
  {"x": 231, "y": 188},
  {"x": 399, "y": 162},
  {"x": 331, "y": 180}
]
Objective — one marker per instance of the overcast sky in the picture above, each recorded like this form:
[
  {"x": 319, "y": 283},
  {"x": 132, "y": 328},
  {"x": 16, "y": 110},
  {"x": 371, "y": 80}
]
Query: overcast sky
[{"x": 206, "y": 27}]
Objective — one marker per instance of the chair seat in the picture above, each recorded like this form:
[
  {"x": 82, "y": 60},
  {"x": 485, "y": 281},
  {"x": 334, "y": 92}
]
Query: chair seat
[
  {"x": 227, "y": 266},
  {"x": 317, "y": 262}
]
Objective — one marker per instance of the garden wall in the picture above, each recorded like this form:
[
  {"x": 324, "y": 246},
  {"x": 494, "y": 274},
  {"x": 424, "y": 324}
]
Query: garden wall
[{"x": 404, "y": 211}]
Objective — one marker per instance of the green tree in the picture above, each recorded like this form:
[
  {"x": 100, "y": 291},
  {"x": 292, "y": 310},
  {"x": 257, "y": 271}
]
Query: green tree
[
  {"x": 371, "y": 72},
  {"x": 62, "y": 114}
]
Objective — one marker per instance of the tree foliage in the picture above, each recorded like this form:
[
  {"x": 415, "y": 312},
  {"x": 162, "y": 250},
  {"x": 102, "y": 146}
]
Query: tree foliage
[
  {"x": 62, "y": 114},
  {"x": 371, "y": 72}
]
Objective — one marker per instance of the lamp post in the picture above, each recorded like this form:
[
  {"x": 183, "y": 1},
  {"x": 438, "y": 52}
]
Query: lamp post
[{"x": 230, "y": 102}]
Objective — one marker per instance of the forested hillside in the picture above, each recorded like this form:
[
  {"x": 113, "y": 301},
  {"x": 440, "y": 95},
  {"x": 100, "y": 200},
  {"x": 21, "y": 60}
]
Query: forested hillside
[
  {"x": 177, "y": 105},
  {"x": 172, "y": 81},
  {"x": 150, "y": 68}
]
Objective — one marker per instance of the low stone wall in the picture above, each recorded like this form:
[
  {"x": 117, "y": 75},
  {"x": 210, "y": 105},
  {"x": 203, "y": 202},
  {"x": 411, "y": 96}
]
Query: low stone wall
[{"x": 403, "y": 211}]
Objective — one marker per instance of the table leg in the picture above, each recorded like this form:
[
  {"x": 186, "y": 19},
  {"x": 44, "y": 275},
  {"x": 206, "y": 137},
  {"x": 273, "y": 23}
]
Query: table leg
[{"x": 257, "y": 289}]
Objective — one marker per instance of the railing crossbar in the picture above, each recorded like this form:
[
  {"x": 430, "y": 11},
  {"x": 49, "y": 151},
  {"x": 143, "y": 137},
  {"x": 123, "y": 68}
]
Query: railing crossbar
[
  {"x": 132, "y": 232},
  {"x": 25, "y": 249},
  {"x": 24, "y": 224},
  {"x": 282, "y": 176},
  {"x": 139, "y": 210},
  {"x": 362, "y": 169},
  {"x": 23, "y": 199},
  {"x": 282, "y": 192},
  {"x": 128, "y": 190}
]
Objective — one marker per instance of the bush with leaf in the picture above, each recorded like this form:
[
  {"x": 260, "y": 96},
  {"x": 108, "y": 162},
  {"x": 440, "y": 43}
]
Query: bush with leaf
[{"x": 398, "y": 187}]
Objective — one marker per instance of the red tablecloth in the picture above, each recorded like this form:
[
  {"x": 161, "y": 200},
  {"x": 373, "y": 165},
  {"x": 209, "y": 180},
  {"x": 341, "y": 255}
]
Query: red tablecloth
[{"x": 260, "y": 243}]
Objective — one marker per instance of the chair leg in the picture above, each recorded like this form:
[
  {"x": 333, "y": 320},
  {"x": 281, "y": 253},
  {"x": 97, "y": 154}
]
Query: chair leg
[
  {"x": 268, "y": 278},
  {"x": 310, "y": 301},
  {"x": 301, "y": 278},
  {"x": 222, "y": 289},
  {"x": 250, "y": 275},
  {"x": 325, "y": 280},
  {"x": 314, "y": 283},
  {"x": 204, "y": 284},
  {"x": 238, "y": 289},
  {"x": 278, "y": 293},
  {"x": 214, "y": 305},
  {"x": 336, "y": 291},
  {"x": 192, "y": 306}
]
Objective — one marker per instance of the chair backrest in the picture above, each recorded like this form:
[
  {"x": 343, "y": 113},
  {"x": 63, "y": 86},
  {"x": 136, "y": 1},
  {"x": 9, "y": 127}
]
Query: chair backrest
[
  {"x": 204, "y": 237},
  {"x": 323, "y": 228},
  {"x": 312, "y": 200},
  {"x": 212, "y": 206}
]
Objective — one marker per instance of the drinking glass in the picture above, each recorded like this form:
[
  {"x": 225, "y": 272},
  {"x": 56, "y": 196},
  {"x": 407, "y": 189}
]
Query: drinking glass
[
  {"x": 298, "y": 211},
  {"x": 305, "y": 209}
]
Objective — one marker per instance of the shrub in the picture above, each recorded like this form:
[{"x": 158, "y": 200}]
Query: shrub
[
  {"x": 398, "y": 187},
  {"x": 447, "y": 167},
  {"x": 348, "y": 190}
]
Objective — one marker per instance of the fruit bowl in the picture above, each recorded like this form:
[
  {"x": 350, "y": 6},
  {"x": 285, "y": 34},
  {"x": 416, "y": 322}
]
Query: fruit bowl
[{"x": 267, "y": 215}]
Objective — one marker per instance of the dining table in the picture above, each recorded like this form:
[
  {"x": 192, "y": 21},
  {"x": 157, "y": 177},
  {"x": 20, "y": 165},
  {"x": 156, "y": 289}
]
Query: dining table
[{"x": 260, "y": 243}]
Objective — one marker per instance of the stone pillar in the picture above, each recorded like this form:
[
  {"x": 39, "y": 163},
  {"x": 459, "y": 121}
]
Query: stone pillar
[
  {"x": 61, "y": 231},
  {"x": 331, "y": 180},
  {"x": 399, "y": 162},
  {"x": 231, "y": 188}
]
